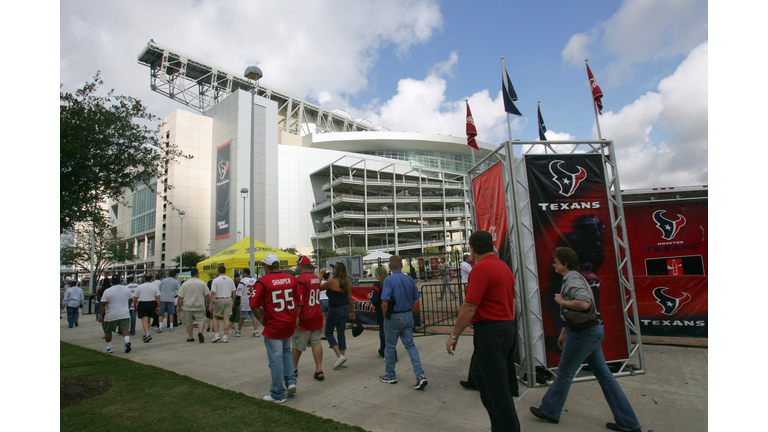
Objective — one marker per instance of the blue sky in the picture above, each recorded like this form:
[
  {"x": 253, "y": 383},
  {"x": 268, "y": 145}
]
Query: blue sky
[{"x": 408, "y": 65}]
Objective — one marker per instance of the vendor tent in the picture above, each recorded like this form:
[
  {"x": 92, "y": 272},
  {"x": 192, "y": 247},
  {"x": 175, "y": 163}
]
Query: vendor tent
[
  {"x": 374, "y": 256},
  {"x": 237, "y": 257}
]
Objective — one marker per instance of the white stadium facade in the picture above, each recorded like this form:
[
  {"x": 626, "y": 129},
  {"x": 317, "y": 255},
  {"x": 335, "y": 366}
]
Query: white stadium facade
[{"x": 321, "y": 178}]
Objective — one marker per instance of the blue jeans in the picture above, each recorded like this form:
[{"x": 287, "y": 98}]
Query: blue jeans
[
  {"x": 581, "y": 346},
  {"x": 400, "y": 325},
  {"x": 73, "y": 315},
  {"x": 281, "y": 366},
  {"x": 337, "y": 319},
  {"x": 133, "y": 321},
  {"x": 96, "y": 310}
]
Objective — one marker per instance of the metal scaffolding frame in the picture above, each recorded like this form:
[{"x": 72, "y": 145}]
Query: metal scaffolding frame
[
  {"x": 200, "y": 85},
  {"x": 523, "y": 258}
]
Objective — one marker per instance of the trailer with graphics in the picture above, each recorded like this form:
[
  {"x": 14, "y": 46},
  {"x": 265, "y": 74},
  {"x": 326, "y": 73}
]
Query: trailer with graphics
[{"x": 668, "y": 237}]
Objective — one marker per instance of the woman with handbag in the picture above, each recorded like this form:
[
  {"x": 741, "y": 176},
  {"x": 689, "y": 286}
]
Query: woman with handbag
[{"x": 580, "y": 341}]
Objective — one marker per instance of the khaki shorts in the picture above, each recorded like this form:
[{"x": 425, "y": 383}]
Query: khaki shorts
[
  {"x": 222, "y": 306},
  {"x": 303, "y": 339},
  {"x": 121, "y": 324},
  {"x": 190, "y": 318}
]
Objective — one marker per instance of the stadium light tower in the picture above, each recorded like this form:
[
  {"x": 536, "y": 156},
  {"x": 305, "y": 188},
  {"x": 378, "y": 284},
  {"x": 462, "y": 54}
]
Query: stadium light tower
[{"x": 252, "y": 73}]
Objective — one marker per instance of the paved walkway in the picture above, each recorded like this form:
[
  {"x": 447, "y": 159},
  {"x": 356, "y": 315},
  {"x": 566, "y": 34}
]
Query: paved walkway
[{"x": 672, "y": 396}]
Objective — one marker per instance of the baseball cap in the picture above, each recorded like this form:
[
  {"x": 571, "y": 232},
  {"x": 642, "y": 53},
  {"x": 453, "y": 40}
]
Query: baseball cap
[
  {"x": 115, "y": 279},
  {"x": 271, "y": 260},
  {"x": 303, "y": 261}
]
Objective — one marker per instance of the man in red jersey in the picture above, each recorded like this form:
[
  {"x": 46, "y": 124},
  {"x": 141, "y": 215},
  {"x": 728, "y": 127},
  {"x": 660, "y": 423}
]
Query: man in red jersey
[
  {"x": 310, "y": 323},
  {"x": 275, "y": 292},
  {"x": 490, "y": 308}
]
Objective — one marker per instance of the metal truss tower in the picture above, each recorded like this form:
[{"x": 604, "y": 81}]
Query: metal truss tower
[{"x": 200, "y": 85}]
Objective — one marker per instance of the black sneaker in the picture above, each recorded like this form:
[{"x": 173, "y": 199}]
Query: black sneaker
[
  {"x": 127, "y": 347},
  {"x": 421, "y": 382},
  {"x": 388, "y": 380}
]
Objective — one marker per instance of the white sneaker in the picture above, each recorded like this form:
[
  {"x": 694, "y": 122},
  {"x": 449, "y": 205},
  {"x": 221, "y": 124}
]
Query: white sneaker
[
  {"x": 256, "y": 333},
  {"x": 225, "y": 340},
  {"x": 159, "y": 329},
  {"x": 292, "y": 389},
  {"x": 107, "y": 351},
  {"x": 216, "y": 339},
  {"x": 170, "y": 329},
  {"x": 269, "y": 398},
  {"x": 237, "y": 333},
  {"x": 339, "y": 362}
]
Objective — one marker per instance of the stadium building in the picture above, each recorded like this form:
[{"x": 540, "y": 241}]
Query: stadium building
[{"x": 321, "y": 178}]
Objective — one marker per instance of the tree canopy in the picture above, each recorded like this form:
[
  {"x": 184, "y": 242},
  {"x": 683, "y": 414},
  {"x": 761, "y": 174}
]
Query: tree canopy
[
  {"x": 109, "y": 248},
  {"x": 191, "y": 258},
  {"x": 105, "y": 147}
]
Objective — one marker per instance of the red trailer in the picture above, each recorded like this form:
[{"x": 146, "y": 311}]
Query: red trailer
[{"x": 668, "y": 241}]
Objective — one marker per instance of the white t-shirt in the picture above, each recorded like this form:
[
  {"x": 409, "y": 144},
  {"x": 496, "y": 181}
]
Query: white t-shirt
[
  {"x": 147, "y": 292},
  {"x": 465, "y": 269},
  {"x": 193, "y": 292},
  {"x": 117, "y": 298},
  {"x": 323, "y": 295},
  {"x": 223, "y": 286},
  {"x": 245, "y": 290}
]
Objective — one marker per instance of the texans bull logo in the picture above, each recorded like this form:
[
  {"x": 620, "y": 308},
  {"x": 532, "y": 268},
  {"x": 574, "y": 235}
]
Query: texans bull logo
[
  {"x": 568, "y": 182},
  {"x": 669, "y": 228},
  {"x": 223, "y": 167},
  {"x": 671, "y": 305}
]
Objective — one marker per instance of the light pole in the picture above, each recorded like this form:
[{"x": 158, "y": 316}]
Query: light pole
[
  {"x": 181, "y": 241},
  {"x": 386, "y": 229},
  {"x": 244, "y": 194},
  {"x": 255, "y": 74},
  {"x": 317, "y": 231},
  {"x": 349, "y": 241}
]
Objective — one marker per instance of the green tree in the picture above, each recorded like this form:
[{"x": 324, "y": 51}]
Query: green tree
[
  {"x": 431, "y": 251},
  {"x": 106, "y": 147},
  {"x": 191, "y": 258},
  {"x": 291, "y": 250},
  {"x": 109, "y": 248}
]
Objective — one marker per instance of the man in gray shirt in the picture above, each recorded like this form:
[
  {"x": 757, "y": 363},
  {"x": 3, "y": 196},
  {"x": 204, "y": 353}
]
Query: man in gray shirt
[
  {"x": 445, "y": 272},
  {"x": 73, "y": 299},
  {"x": 169, "y": 288}
]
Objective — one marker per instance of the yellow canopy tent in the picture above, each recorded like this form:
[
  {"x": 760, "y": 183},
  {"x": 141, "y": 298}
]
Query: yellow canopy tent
[{"x": 238, "y": 257}]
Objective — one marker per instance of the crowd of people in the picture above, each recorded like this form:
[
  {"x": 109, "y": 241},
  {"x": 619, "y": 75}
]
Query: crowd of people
[{"x": 298, "y": 312}]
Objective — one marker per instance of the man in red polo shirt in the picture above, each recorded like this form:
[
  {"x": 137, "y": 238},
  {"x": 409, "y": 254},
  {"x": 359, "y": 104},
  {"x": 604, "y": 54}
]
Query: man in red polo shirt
[
  {"x": 275, "y": 292},
  {"x": 490, "y": 308},
  {"x": 310, "y": 322}
]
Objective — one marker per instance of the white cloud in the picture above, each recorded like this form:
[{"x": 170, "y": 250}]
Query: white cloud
[
  {"x": 299, "y": 45},
  {"x": 640, "y": 31},
  {"x": 679, "y": 105},
  {"x": 577, "y": 48},
  {"x": 420, "y": 106}
]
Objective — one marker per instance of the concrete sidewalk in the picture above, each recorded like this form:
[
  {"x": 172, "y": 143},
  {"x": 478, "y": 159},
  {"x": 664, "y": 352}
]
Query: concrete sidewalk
[{"x": 672, "y": 395}]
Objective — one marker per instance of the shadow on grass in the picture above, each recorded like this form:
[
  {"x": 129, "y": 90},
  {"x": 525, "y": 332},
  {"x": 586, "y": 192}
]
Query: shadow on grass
[{"x": 150, "y": 398}]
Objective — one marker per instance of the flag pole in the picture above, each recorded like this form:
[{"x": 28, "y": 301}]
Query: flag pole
[
  {"x": 471, "y": 150},
  {"x": 509, "y": 125},
  {"x": 594, "y": 106}
]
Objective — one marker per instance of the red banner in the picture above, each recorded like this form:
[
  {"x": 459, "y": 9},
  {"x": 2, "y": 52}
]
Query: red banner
[
  {"x": 569, "y": 207},
  {"x": 491, "y": 206},
  {"x": 672, "y": 305}
]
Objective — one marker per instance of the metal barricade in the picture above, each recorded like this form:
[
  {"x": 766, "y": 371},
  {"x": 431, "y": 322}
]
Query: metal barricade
[{"x": 440, "y": 305}]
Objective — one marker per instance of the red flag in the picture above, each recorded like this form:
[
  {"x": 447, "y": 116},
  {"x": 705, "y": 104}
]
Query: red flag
[
  {"x": 471, "y": 130},
  {"x": 597, "y": 94}
]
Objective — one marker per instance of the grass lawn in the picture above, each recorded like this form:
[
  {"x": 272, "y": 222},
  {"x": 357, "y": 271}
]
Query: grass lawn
[{"x": 150, "y": 398}]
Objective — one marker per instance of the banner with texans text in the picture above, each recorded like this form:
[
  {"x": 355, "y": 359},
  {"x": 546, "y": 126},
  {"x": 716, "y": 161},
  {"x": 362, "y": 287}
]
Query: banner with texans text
[
  {"x": 364, "y": 309},
  {"x": 672, "y": 305},
  {"x": 222, "y": 191},
  {"x": 668, "y": 238},
  {"x": 491, "y": 206},
  {"x": 569, "y": 207}
]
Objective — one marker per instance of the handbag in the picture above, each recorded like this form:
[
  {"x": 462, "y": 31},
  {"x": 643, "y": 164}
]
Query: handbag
[{"x": 579, "y": 320}]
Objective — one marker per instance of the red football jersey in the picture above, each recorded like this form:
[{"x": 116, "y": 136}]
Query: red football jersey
[
  {"x": 491, "y": 286},
  {"x": 308, "y": 297},
  {"x": 275, "y": 293}
]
